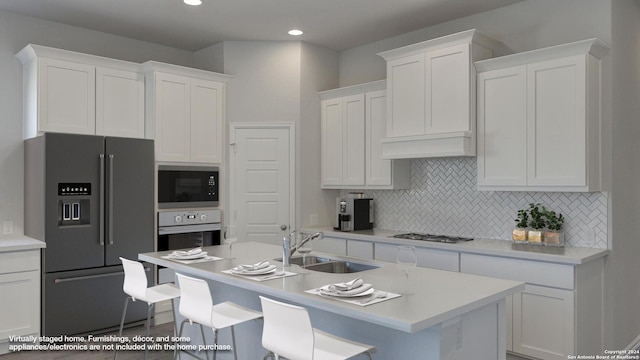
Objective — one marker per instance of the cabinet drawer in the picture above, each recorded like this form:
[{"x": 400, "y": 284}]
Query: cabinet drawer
[
  {"x": 18, "y": 261},
  {"x": 429, "y": 258},
  {"x": 330, "y": 245},
  {"x": 531, "y": 272},
  {"x": 360, "y": 249}
]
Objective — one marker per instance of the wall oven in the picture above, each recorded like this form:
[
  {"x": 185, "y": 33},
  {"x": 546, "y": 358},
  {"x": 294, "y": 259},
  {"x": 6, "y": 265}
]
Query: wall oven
[
  {"x": 186, "y": 229},
  {"x": 187, "y": 186}
]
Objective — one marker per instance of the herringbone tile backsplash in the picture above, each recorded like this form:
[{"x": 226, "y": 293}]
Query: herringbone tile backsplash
[{"x": 443, "y": 199}]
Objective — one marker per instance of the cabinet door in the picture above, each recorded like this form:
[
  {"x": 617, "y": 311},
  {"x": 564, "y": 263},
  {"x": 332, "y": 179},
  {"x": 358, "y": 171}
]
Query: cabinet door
[
  {"x": 207, "y": 106},
  {"x": 66, "y": 97},
  {"x": 502, "y": 127},
  {"x": 119, "y": 103},
  {"x": 406, "y": 96},
  {"x": 557, "y": 122},
  {"x": 447, "y": 90},
  {"x": 378, "y": 171},
  {"x": 331, "y": 142},
  {"x": 360, "y": 249},
  {"x": 353, "y": 140},
  {"x": 330, "y": 245},
  {"x": 20, "y": 299},
  {"x": 543, "y": 322},
  {"x": 172, "y": 122}
]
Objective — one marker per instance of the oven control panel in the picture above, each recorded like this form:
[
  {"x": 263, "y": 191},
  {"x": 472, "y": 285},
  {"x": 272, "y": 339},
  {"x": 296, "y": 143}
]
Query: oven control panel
[{"x": 186, "y": 217}]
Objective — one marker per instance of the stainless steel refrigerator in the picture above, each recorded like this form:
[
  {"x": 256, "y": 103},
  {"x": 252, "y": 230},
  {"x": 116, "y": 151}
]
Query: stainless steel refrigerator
[{"x": 90, "y": 198}]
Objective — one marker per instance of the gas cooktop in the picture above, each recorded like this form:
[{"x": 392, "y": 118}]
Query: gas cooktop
[{"x": 431, "y": 237}]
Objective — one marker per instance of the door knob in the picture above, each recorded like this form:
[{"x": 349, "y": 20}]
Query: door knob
[{"x": 283, "y": 227}]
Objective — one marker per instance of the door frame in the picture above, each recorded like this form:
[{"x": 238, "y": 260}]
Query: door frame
[{"x": 233, "y": 206}]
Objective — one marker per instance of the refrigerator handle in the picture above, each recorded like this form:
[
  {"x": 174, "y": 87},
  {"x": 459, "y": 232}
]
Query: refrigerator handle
[
  {"x": 101, "y": 205},
  {"x": 111, "y": 169}
]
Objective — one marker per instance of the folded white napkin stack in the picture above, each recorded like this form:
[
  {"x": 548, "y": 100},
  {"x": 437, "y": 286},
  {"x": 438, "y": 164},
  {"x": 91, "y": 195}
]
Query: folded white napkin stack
[
  {"x": 346, "y": 286},
  {"x": 257, "y": 268},
  {"x": 189, "y": 254}
]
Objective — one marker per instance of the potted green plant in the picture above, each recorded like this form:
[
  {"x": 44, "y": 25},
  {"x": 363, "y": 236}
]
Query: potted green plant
[
  {"x": 520, "y": 232},
  {"x": 537, "y": 224},
  {"x": 553, "y": 234}
]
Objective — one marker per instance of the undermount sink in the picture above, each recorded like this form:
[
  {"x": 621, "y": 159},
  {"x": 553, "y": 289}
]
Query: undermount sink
[{"x": 328, "y": 265}]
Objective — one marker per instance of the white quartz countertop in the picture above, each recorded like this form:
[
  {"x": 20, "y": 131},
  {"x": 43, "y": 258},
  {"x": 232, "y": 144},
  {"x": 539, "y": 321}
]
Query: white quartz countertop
[
  {"x": 439, "y": 295},
  {"x": 562, "y": 255},
  {"x": 19, "y": 243}
]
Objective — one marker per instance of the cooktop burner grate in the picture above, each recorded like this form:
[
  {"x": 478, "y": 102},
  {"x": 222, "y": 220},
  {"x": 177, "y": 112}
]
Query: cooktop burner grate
[{"x": 432, "y": 237}]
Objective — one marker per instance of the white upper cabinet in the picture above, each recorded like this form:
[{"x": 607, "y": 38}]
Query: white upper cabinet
[
  {"x": 185, "y": 113},
  {"x": 539, "y": 119},
  {"x": 76, "y": 93},
  {"x": 119, "y": 103},
  {"x": 431, "y": 96},
  {"x": 353, "y": 123}
]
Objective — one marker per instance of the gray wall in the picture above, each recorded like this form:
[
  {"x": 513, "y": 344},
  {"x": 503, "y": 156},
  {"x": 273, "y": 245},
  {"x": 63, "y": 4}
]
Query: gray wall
[
  {"x": 279, "y": 82},
  {"x": 15, "y": 33}
]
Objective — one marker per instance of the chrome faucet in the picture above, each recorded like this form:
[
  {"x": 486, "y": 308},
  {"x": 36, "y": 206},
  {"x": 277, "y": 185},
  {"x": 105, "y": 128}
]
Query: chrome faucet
[{"x": 288, "y": 250}]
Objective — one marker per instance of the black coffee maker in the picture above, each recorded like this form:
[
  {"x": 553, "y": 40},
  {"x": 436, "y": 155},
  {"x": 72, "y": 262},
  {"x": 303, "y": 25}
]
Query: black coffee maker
[{"x": 354, "y": 213}]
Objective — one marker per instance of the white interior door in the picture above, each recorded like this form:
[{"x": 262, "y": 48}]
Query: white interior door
[{"x": 262, "y": 186}]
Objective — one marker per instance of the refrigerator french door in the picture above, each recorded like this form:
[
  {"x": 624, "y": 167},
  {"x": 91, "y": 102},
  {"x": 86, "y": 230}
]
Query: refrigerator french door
[{"x": 90, "y": 198}]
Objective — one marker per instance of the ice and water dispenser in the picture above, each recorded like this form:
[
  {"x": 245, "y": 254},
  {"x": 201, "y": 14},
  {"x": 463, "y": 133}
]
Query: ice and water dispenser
[{"x": 74, "y": 203}]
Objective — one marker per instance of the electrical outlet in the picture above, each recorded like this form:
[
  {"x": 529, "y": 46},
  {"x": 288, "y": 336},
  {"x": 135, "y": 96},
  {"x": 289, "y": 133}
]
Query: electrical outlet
[
  {"x": 7, "y": 227},
  {"x": 313, "y": 219}
]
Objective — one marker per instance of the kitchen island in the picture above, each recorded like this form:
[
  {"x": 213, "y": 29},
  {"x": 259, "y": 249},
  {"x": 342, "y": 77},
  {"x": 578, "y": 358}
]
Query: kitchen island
[{"x": 449, "y": 316}]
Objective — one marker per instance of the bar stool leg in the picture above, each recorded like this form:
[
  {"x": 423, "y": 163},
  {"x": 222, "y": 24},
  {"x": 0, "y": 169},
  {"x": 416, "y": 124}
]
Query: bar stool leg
[
  {"x": 175, "y": 328},
  {"x": 204, "y": 342},
  {"x": 215, "y": 342},
  {"x": 124, "y": 312},
  {"x": 149, "y": 309},
  {"x": 175, "y": 355},
  {"x": 233, "y": 343}
]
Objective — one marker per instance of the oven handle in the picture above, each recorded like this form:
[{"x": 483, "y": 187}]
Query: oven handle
[{"x": 184, "y": 229}]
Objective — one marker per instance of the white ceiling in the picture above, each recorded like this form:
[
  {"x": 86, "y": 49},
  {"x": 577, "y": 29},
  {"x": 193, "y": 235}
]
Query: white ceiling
[{"x": 335, "y": 24}]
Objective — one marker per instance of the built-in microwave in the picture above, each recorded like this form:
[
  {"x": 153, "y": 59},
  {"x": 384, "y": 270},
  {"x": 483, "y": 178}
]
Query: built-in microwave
[{"x": 187, "y": 186}]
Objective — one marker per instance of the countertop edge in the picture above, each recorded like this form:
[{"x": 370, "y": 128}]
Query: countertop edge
[
  {"x": 20, "y": 243},
  {"x": 501, "y": 248}
]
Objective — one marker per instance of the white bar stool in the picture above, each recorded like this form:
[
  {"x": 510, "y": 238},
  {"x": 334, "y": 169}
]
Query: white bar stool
[
  {"x": 196, "y": 305},
  {"x": 135, "y": 285},
  {"x": 288, "y": 333}
]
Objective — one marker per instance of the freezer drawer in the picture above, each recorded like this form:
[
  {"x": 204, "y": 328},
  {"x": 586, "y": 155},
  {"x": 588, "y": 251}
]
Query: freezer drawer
[{"x": 86, "y": 301}]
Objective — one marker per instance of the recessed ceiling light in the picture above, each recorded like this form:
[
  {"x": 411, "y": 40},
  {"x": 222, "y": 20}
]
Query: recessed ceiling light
[
  {"x": 193, "y": 2},
  {"x": 295, "y": 32}
]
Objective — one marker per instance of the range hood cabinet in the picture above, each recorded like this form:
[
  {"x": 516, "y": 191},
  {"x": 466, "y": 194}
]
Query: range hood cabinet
[{"x": 431, "y": 105}]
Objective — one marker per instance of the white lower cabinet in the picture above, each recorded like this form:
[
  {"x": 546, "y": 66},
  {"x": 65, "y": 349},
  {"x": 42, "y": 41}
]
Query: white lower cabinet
[
  {"x": 19, "y": 295},
  {"x": 429, "y": 258},
  {"x": 560, "y": 311},
  {"x": 542, "y": 322}
]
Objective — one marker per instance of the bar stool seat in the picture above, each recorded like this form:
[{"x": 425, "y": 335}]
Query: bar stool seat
[
  {"x": 196, "y": 305},
  {"x": 135, "y": 285},
  {"x": 288, "y": 333}
]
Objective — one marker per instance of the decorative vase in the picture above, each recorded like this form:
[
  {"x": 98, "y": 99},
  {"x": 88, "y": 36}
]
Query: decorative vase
[
  {"x": 520, "y": 235},
  {"x": 554, "y": 238},
  {"x": 536, "y": 237}
]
